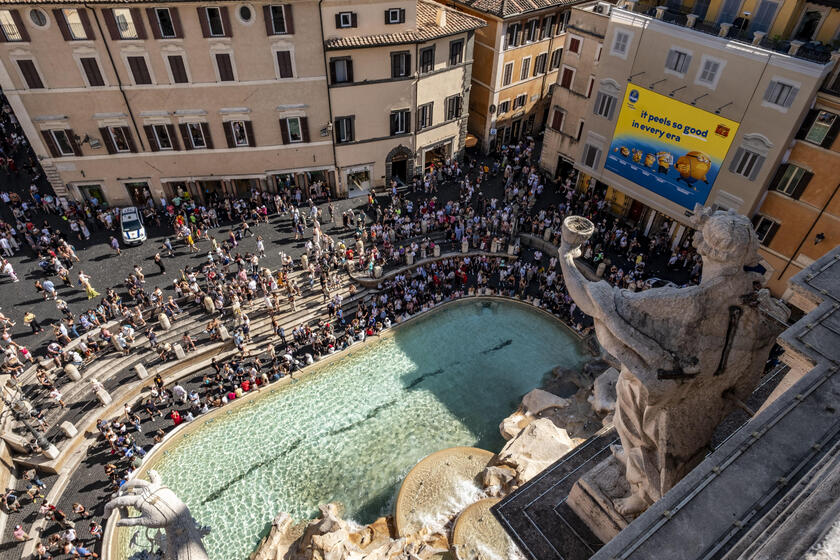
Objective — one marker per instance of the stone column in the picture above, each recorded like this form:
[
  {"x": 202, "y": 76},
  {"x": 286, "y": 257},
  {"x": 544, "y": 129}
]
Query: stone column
[
  {"x": 724, "y": 29},
  {"x": 223, "y": 333},
  {"x": 209, "y": 306},
  {"x": 179, "y": 351},
  {"x": 547, "y": 234},
  {"x": 140, "y": 369},
  {"x": 758, "y": 36},
  {"x": 660, "y": 12},
  {"x": 436, "y": 251},
  {"x": 163, "y": 320},
  {"x": 601, "y": 268},
  {"x": 409, "y": 258},
  {"x": 72, "y": 372},
  {"x": 690, "y": 20},
  {"x": 377, "y": 271},
  {"x": 794, "y": 47},
  {"x": 51, "y": 452},
  {"x": 465, "y": 244},
  {"x": 68, "y": 428},
  {"x": 104, "y": 397}
]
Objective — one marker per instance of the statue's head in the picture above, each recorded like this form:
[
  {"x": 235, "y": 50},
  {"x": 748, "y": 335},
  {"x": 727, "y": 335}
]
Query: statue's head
[{"x": 726, "y": 237}]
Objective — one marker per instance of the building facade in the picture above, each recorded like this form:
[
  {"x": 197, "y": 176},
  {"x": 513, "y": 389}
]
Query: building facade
[
  {"x": 584, "y": 46},
  {"x": 695, "y": 79},
  {"x": 122, "y": 102},
  {"x": 517, "y": 58}
]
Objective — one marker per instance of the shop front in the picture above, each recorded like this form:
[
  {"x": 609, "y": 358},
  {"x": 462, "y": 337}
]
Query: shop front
[
  {"x": 92, "y": 193},
  {"x": 358, "y": 180},
  {"x": 435, "y": 156},
  {"x": 139, "y": 193}
]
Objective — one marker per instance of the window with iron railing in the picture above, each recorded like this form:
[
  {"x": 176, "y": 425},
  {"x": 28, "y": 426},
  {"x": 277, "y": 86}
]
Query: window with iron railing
[
  {"x": 74, "y": 23},
  {"x": 9, "y": 27}
]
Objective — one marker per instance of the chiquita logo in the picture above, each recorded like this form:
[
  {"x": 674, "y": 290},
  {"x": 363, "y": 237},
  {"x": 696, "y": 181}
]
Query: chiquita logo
[{"x": 634, "y": 96}]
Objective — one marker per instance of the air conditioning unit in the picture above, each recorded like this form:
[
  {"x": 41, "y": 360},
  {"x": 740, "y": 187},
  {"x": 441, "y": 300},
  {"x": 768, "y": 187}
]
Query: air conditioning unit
[{"x": 598, "y": 9}]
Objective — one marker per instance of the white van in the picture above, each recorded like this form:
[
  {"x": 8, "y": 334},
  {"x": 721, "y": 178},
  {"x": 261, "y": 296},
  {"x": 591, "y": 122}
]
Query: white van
[{"x": 131, "y": 224}]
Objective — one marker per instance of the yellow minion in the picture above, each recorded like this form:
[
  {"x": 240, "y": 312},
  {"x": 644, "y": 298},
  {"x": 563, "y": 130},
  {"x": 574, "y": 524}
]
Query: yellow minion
[{"x": 693, "y": 167}]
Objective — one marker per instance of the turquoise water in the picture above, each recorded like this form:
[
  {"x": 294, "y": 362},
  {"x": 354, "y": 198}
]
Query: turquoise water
[{"x": 351, "y": 431}]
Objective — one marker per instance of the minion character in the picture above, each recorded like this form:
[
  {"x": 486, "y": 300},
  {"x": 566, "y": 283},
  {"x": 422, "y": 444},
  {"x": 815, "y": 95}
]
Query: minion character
[
  {"x": 666, "y": 160},
  {"x": 649, "y": 160},
  {"x": 637, "y": 155},
  {"x": 623, "y": 150},
  {"x": 693, "y": 167}
]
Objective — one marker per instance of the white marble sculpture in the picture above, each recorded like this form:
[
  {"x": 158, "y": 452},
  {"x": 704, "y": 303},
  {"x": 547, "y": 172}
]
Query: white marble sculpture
[
  {"x": 687, "y": 354},
  {"x": 160, "y": 508}
]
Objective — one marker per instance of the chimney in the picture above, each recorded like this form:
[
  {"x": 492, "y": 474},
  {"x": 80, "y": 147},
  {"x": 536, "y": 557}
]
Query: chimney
[{"x": 440, "y": 17}]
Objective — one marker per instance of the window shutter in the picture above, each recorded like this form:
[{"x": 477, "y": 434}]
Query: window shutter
[
  {"x": 228, "y": 127},
  {"x": 304, "y": 129},
  {"x": 831, "y": 134},
  {"x": 185, "y": 134},
  {"x": 137, "y": 19},
  {"x": 153, "y": 22},
  {"x": 771, "y": 90},
  {"x": 806, "y": 124},
  {"x": 226, "y": 21},
  {"x": 94, "y": 76},
  {"x": 402, "y": 15},
  {"x": 557, "y": 121},
  {"x": 85, "y": 19},
  {"x": 671, "y": 60},
  {"x": 202, "y": 20},
  {"x": 24, "y": 34},
  {"x": 354, "y": 20},
  {"x": 394, "y": 117},
  {"x": 332, "y": 71},
  {"x": 613, "y": 103},
  {"x": 150, "y": 136},
  {"x": 172, "y": 137},
  {"x": 387, "y": 19},
  {"x": 598, "y": 99},
  {"x": 759, "y": 161},
  {"x": 111, "y": 24},
  {"x": 30, "y": 74},
  {"x": 106, "y": 139},
  {"x": 129, "y": 138},
  {"x": 290, "y": 19},
  {"x": 225, "y": 67},
  {"x": 739, "y": 154},
  {"x": 349, "y": 70},
  {"x": 62, "y": 24},
  {"x": 419, "y": 123},
  {"x": 205, "y": 129},
  {"x": 71, "y": 137},
  {"x": 48, "y": 140},
  {"x": 269, "y": 26},
  {"x": 284, "y": 131},
  {"x": 176, "y": 23},
  {"x": 249, "y": 129},
  {"x": 684, "y": 68},
  {"x": 791, "y": 96},
  {"x": 801, "y": 185},
  {"x": 780, "y": 172},
  {"x": 284, "y": 64},
  {"x": 768, "y": 237},
  {"x": 338, "y": 21}
]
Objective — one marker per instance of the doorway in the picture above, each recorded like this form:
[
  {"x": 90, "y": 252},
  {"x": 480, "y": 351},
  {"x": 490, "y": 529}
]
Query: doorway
[
  {"x": 515, "y": 130},
  {"x": 358, "y": 182},
  {"x": 93, "y": 194},
  {"x": 399, "y": 170}
]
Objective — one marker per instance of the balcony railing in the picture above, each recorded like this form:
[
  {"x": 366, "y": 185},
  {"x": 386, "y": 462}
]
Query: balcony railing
[{"x": 10, "y": 31}]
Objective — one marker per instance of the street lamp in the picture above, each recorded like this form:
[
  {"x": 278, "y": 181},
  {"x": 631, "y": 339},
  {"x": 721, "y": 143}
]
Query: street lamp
[{"x": 49, "y": 450}]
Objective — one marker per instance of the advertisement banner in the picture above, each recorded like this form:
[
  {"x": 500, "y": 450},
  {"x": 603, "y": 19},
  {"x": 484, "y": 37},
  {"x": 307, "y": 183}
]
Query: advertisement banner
[{"x": 669, "y": 147}]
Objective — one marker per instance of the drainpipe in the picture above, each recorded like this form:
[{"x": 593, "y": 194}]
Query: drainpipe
[
  {"x": 414, "y": 114},
  {"x": 547, "y": 72},
  {"x": 117, "y": 74},
  {"x": 807, "y": 235},
  {"x": 330, "y": 126}
]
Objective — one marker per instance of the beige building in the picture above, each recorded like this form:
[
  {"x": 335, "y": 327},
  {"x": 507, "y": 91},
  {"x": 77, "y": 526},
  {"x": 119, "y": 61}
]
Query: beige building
[
  {"x": 517, "y": 58},
  {"x": 398, "y": 90},
  {"x": 586, "y": 28},
  {"x": 764, "y": 92},
  {"x": 200, "y": 100}
]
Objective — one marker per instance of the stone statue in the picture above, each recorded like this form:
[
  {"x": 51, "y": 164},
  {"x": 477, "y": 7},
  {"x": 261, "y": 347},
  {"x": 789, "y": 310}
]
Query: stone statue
[
  {"x": 687, "y": 354},
  {"x": 160, "y": 508}
]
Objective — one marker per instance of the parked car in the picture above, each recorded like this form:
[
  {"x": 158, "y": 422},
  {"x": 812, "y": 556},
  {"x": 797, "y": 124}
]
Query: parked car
[{"x": 131, "y": 224}]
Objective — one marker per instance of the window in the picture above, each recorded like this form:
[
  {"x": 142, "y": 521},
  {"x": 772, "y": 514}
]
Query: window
[
  {"x": 165, "y": 23},
  {"x": 526, "y": 68},
  {"x": 215, "y": 24},
  {"x": 38, "y": 17},
  {"x": 677, "y": 61},
  {"x": 780, "y": 93},
  {"x": 61, "y": 141},
  {"x": 11, "y": 26},
  {"x": 504, "y": 107},
  {"x": 178, "y": 69},
  {"x": 556, "y": 56},
  {"x": 513, "y": 31},
  {"x": 791, "y": 180},
  {"x": 598, "y": 50},
  {"x": 346, "y": 19},
  {"x": 294, "y": 130},
  {"x": 557, "y": 120},
  {"x": 531, "y": 31},
  {"x": 746, "y": 163},
  {"x": 424, "y": 116},
  {"x": 590, "y": 86},
  {"x": 539, "y": 64},
  {"x": 605, "y": 105},
  {"x": 344, "y": 129},
  {"x": 591, "y": 156},
  {"x": 30, "y": 74},
  {"x": 456, "y": 52},
  {"x": 245, "y": 14},
  {"x": 284, "y": 64},
  {"x": 125, "y": 24},
  {"x": 507, "y": 76},
  {"x": 765, "y": 228},
  {"x": 394, "y": 15},
  {"x": 547, "y": 26},
  {"x": 580, "y": 131},
  {"x": 119, "y": 139},
  {"x": 453, "y": 107},
  {"x": 400, "y": 122},
  {"x": 277, "y": 16},
  {"x": 519, "y": 101},
  {"x": 92, "y": 72},
  {"x": 225, "y": 67},
  {"x": 400, "y": 64},
  {"x": 709, "y": 72},
  {"x": 427, "y": 59},
  {"x": 76, "y": 28},
  {"x": 567, "y": 77},
  {"x": 195, "y": 135},
  {"x": 162, "y": 137},
  {"x": 574, "y": 44},
  {"x": 239, "y": 133},
  {"x": 819, "y": 131},
  {"x": 562, "y": 22},
  {"x": 621, "y": 42},
  {"x": 139, "y": 70},
  {"x": 341, "y": 70}
]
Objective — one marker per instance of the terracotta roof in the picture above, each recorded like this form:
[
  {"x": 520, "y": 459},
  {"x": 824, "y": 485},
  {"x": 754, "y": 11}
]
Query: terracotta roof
[
  {"x": 512, "y": 8},
  {"x": 427, "y": 29}
]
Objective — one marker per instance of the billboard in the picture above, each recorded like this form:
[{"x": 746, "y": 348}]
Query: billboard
[{"x": 669, "y": 147}]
